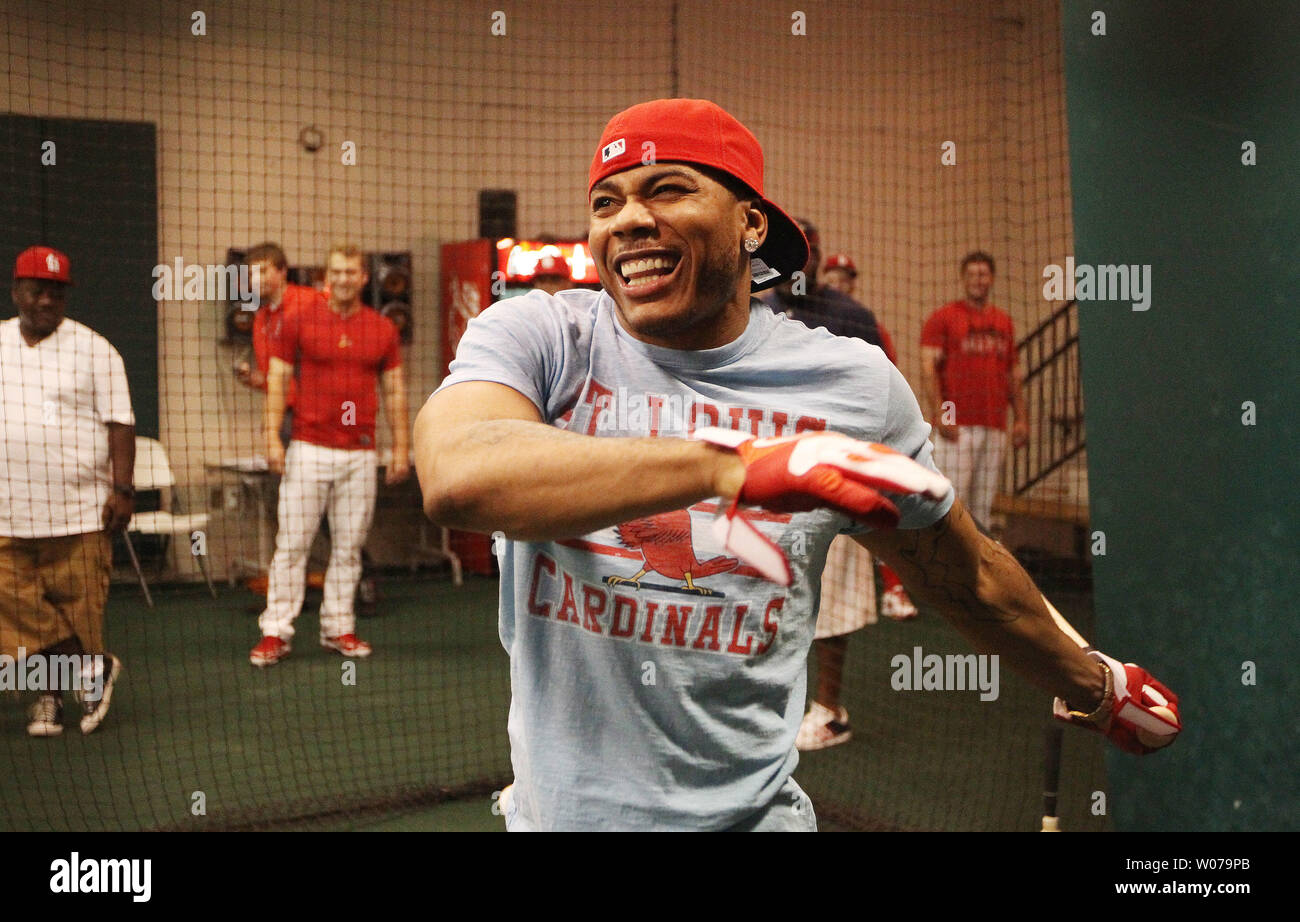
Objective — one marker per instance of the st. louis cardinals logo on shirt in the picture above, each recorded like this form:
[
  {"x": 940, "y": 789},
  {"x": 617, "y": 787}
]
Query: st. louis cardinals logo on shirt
[
  {"x": 655, "y": 561},
  {"x": 630, "y": 611},
  {"x": 664, "y": 542}
]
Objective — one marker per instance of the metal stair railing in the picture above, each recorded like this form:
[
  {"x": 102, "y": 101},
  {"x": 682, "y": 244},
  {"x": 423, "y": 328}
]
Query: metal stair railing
[{"x": 1053, "y": 399}]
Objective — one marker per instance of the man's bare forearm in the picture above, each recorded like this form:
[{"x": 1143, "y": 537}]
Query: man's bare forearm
[
  {"x": 977, "y": 585},
  {"x": 1017, "y": 398},
  {"x": 274, "y": 417},
  {"x": 535, "y": 482},
  {"x": 276, "y": 384},
  {"x": 930, "y": 395},
  {"x": 398, "y": 419},
  {"x": 121, "y": 453}
]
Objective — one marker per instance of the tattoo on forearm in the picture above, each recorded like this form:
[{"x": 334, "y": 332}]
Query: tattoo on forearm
[{"x": 941, "y": 569}]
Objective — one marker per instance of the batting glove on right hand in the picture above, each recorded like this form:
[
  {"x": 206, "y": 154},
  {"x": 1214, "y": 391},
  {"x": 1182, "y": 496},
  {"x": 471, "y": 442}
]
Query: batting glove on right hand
[
  {"x": 1142, "y": 715},
  {"x": 814, "y": 470}
]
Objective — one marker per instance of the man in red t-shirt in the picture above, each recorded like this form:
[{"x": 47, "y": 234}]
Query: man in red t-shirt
[
  {"x": 342, "y": 350},
  {"x": 969, "y": 377},
  {"x": 276, "y": 297}
]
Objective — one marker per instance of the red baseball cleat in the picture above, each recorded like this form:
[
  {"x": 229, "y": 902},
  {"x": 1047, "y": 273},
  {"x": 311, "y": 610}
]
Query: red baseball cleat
[
  {"x": 347, "y": 644},
  {"x": 269, "y": 651}
]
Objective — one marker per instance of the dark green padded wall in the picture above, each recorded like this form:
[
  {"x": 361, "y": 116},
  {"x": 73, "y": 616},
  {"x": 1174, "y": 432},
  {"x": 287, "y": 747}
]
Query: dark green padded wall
[
  {"x": 1199, "y": 511},
  {"x": 99, "y": 204}
]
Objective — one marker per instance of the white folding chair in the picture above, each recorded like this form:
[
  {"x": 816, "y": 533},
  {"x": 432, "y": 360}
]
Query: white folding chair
[{"x": 154, "y": 472}]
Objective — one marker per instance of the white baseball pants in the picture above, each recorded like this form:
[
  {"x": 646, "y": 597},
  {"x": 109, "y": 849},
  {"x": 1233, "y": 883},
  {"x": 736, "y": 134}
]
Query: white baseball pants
[
  {"x": 974, "y": 465},
  {"x": 848, "y": 590},
  {"x": 342, "y": 484}
]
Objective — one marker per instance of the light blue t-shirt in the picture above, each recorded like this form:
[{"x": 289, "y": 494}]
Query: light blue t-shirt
[{"x": 657, "y": 682}]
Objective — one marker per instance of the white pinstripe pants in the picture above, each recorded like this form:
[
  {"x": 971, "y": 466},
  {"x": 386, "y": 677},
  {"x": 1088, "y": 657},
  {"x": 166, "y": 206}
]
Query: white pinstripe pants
[
  {"x": 342, "y": 484},
  {"x": 974, "y": 465}
]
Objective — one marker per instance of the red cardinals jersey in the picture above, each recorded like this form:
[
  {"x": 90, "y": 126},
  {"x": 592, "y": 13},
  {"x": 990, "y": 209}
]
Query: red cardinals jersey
[
  {"x": 977, "y": 355},
  {"x": 339, "y": 360},
  {"x": 267, "y": 326}
]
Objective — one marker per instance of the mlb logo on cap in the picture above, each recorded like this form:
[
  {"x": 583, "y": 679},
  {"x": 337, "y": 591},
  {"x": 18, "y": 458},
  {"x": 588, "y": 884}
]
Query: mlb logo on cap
[
  {"x": 43, "y": 263},
  {"x": 701, "y": 133},
  {"x": 612, "y": 150}
]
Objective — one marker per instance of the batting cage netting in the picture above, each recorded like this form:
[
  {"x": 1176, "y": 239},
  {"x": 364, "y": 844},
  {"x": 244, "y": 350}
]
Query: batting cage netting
[{"x": 215, "y": 181}]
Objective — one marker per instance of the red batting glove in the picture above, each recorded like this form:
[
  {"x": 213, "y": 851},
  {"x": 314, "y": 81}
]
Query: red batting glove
[
  {"x": 814, "y": 470},
  {"x": 1143, "y": 714},
  {"x": 826, "y": 470}
]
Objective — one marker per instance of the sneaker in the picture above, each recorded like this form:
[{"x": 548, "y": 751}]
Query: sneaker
[
  {"x": 269, "y": 651},
  {"x": 94, "y": 712},
  {"x": 347, "y": 644},
  {"x": 822, "y": 728},
  {"x": 897, "y": 605},
  {"x": 46, "y": 716}
]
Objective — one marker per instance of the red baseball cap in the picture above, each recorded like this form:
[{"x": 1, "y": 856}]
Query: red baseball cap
[
  {"x": 841, "y": 261},
  {"x": 43, "y": 263},
  {"x": 700, "y": 132},
  {"x": 551, "y": 265}
]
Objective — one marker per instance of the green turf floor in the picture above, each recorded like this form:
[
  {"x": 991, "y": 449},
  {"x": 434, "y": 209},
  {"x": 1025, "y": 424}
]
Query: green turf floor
[
  {"x": 190, "y": 716},
  {"x": 925, "y": 760},
  {"x": 918, "y": 760},
  {"x": 419, "y": 743},
  {"x": 468, "y": 815}
]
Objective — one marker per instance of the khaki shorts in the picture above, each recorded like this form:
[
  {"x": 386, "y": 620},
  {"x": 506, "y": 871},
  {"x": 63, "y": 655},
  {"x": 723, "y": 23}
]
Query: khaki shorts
[{"x": 52, "y": 589}]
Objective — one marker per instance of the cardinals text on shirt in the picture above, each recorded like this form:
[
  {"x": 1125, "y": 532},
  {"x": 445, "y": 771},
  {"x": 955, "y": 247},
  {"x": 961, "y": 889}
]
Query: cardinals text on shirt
[{"x": 708, "y": 625}]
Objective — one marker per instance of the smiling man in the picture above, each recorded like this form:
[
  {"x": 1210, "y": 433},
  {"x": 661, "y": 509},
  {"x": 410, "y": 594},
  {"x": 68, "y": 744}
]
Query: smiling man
[
  {"x": 661, "y": 455},
  {"x": 970, "y": 367},
  {"x": 342, "y": 349}
]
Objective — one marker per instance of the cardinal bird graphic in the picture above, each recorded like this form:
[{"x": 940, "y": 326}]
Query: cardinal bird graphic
[{"x": 664, "y": 541}]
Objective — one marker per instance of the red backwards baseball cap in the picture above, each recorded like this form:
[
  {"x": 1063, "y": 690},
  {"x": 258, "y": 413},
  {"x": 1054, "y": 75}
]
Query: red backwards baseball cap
[
  {"x": 43, "y": 263},
  {"x": 700, "y": 132}
]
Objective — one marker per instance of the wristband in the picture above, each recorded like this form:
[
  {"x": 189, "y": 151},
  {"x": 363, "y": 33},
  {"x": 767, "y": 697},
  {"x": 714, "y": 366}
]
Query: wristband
[{"x": 1107, "y": 700}]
